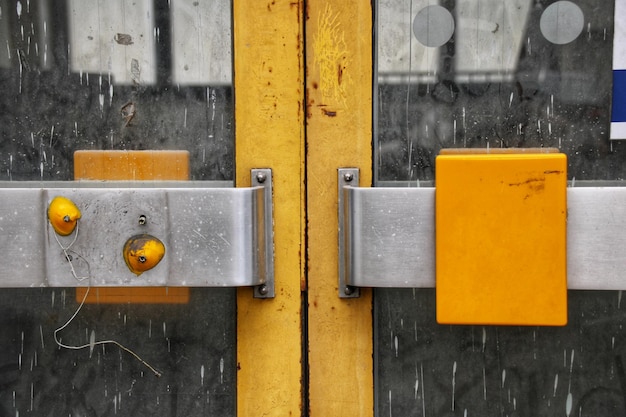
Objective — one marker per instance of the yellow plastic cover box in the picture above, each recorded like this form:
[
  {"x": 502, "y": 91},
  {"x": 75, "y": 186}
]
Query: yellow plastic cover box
[{"x": 501, "y": 237}]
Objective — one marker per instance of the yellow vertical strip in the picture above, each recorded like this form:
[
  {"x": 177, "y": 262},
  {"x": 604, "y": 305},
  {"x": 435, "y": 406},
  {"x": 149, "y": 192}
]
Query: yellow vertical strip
[
  {"x": 339, "y": 132},
  {"x": 269, "y": 133}
]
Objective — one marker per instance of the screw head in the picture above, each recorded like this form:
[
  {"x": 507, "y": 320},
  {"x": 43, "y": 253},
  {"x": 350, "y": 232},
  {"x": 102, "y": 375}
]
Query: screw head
[
  {"x": 263, "y": 290},
  {"x": 261, "y": 177},
  {"x": 348, "y": 176},
  {"x": 142, "y": 220},
  {"x": 348, "y": 290}
]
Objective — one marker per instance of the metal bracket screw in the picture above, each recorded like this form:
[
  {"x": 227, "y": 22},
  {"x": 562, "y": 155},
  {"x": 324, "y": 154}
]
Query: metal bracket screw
[
  {"x": 348, "y": 177},
  {"x": 261, "y": 177},
  {"x": 262, "y": 289}
]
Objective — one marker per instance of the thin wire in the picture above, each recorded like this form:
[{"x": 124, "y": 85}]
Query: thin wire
[
  {"x": 101, "y": 342},
  {"x": 80, "y": 306},
  {"x": 69, "y": 259}
]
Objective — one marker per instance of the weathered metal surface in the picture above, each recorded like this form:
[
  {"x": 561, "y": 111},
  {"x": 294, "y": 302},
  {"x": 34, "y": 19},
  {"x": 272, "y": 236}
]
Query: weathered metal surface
[
  {"x": 211, "y": 236},
  {"x": 390, "y": 238}
]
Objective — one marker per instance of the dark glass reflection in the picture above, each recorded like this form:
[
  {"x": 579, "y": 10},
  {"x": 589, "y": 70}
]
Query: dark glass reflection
[
  {"x": 424, "y": 369},
  {"x": 192, "y": 345},
  {"x": 48, "y": 111},
  {"x": 556, "y": 96}
]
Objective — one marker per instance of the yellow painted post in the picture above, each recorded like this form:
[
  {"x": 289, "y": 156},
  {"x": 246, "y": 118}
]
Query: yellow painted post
[
  {"x": 339, "y": 132},
  {"x": 269, "y": 133}
]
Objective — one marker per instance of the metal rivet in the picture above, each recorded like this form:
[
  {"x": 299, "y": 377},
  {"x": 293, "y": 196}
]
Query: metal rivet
[
  {"x": 142, "y": 259},
  {"x": 142, "y": 220},
  {"x": 261, "y": 177},
  {"x": 347, "y": 177},
  {"x": 348, "y": 290},
  {"x": 262, "y": 289}
]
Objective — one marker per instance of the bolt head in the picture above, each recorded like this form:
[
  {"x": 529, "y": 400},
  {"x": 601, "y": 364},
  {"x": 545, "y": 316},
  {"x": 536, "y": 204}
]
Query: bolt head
[
  {"x": 347, "y": 177},
  {"x": 263, "y": 290},
  {"x": 261, "y": 177}
]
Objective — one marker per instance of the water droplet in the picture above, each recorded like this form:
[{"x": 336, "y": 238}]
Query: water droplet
[
  {"x": 92, "y": 342},
  {"x": 395, "y": 343},
  {"x": 221, "y": 370},
  {"x": 556, "y": 383},
  {"x": 568, "y": 404}
]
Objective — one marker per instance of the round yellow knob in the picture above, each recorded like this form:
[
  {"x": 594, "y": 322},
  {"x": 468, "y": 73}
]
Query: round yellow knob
[
  {"x": 63, "y": 215},
  {"x": 143, "y": 252}
]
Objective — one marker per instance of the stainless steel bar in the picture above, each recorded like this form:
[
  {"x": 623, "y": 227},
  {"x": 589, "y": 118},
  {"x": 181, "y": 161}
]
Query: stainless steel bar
[
  {"x": 392, "y": 239},
  {"x": 211, "y": 235}
]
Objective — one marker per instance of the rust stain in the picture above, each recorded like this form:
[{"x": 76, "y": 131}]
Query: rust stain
[
  {"x": 332, "y": 57},
  {"x": 527, "y": 182}
]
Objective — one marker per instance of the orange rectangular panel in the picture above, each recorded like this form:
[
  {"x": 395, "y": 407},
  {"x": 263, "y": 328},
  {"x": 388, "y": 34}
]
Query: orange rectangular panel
[
  {"x": 131, "y": 165},
  {"x": 134, "y": 295},
  {"x": 138, "y": 166},
  {"x": 501, "y": 238}
]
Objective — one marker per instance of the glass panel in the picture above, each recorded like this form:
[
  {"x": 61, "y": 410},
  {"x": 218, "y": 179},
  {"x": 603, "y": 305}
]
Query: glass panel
[
  {"x": 190, "y": 344},
  {"x": 490, "y": 73},
  {"x": 495, "y": 79},
  {"x": 124, "y": 75},
  {"x": 96, "y": 75},
  {"x": 424, "y": 369}
]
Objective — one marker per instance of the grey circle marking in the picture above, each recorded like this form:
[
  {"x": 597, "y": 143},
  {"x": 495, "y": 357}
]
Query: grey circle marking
[
  {"x": 562, "y": 22},
  {"x": 433, "y": 26}
]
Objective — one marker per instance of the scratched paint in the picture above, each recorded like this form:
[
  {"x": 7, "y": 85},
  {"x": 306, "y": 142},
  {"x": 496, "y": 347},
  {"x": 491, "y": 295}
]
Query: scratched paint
[{"x": 332, "y": 58}]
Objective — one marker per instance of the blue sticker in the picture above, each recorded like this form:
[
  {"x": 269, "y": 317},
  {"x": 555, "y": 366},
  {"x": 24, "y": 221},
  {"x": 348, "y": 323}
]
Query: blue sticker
[{"x": 619, "y": 96}]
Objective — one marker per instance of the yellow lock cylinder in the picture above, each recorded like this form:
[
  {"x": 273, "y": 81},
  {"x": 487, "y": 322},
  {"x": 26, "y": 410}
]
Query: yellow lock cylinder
[
  {"x": 143, "y": 252},
  {"x": 63, "y": 215}
]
